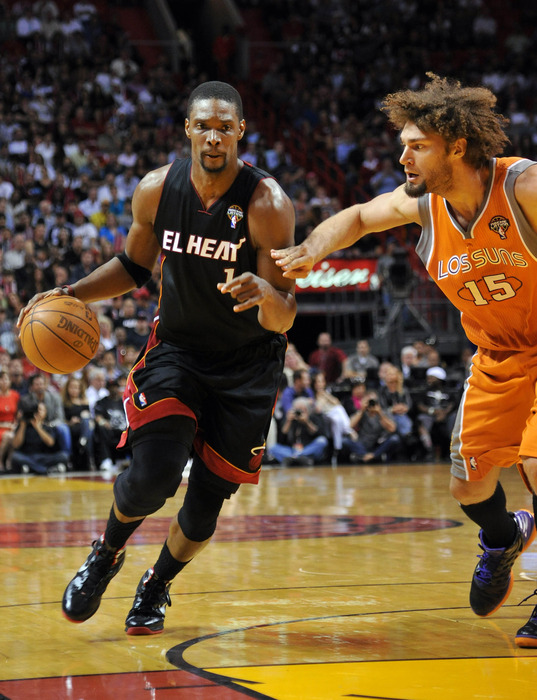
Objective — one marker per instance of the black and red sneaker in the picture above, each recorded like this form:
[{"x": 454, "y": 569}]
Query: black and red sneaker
[
  {"x": 83, "y": 594},
  {"x": 149, "y": 608}
]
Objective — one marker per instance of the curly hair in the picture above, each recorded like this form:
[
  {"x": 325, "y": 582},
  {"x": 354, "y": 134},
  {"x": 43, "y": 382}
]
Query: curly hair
[{"x": 444, "y": 107}]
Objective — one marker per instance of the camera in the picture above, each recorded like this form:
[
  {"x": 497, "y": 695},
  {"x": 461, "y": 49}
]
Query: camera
[
  {"x": 28, "y": 407},
  {"x": 372, "y": 403}
]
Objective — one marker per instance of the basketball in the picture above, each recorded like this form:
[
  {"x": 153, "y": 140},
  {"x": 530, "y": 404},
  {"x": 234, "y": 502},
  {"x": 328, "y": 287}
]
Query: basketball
[{"x": 60, "y": 334}]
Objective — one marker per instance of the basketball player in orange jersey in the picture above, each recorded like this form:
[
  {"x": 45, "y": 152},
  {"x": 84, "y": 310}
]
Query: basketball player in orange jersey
[
  {"x": 207, "y": 380},
  {"x": 478, "y": 215}
]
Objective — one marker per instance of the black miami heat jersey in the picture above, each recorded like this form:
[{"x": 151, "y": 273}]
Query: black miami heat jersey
[{"x": 200, "y": 248}]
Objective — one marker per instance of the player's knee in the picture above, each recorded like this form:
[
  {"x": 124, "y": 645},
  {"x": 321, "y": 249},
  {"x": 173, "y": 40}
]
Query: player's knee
[
  {"x": 462, "y": 491},
  {"x": 199, "y": 513},
  {"x": 529, "y": 467},
  {"x": 154, "y": 475}
]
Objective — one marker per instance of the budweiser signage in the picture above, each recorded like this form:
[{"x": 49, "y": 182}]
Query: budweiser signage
[{"x": 340, "y": 275}]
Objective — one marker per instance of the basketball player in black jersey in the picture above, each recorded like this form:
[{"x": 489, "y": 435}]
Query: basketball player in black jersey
[{"x": 206, "y": 382}]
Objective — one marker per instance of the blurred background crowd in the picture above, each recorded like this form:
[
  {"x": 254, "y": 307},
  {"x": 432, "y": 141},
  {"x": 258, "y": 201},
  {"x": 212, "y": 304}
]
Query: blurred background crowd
[{"x": 87, "y": 108}]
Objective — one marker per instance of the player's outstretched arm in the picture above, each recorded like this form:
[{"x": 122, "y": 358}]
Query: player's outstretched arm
[{"x": 345, "y": 228}]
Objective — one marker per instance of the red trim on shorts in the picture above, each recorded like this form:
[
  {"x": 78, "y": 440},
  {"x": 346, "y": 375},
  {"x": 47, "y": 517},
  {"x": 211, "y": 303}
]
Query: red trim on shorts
[
  {"x": 221, "y": 467},
  {"x": 160, "y": 409}
]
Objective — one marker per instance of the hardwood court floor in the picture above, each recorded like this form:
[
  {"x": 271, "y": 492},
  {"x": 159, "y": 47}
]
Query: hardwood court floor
[{"x": 321, "y": 583}]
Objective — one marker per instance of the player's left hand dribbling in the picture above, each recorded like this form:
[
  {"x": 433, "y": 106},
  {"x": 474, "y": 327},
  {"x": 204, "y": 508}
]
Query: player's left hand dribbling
[
  {"x": 248, "y": 289},
  {"x": 57, "y": 291}
]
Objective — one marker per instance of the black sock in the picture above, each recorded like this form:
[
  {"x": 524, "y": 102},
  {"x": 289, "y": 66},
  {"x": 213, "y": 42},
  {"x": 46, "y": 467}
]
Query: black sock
[
  {"x": 167, "y": 567},
  {"x": 499, "y": 528},
  {"x": 117, "y": 533}
]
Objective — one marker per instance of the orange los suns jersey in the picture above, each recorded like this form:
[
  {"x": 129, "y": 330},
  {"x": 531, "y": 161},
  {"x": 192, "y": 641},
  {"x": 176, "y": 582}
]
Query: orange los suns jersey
[{"x": 489, "y": 271}]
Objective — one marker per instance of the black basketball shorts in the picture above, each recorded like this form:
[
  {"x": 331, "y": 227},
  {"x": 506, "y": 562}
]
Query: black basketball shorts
[{"x": 230, "y": 395}]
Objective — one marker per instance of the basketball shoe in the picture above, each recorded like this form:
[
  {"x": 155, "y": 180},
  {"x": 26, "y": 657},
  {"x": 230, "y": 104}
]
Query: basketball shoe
[
  {"x": 149, "y": 608},
  {"x": 83, "y": 594},
  {"x": 527, "y": 635},
  {"x": 493, "y": 580}
]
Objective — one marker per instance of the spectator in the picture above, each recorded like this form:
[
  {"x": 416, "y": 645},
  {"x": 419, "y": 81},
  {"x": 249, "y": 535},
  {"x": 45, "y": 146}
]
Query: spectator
[
  {"x": 357, "y": 364},
  {"x": 145, "y": 301},
  {"x": 334, "y": 413},
  {"x": 293, "y": 362},
  {"x": 138, "y": 335},
  {"x": 9, "y": 399},
  {"x": 55, "y": 235},
  {"x": 303, "y": 436},
  {"x": 409, "y": 359},
  {"x": 55, "y": 417},
  {"x": 126, "y": 183},
  {"x": 127, "y": 158},
  {"x": 19, "y": 382},
  {"x": 85, "y": 229},
  {"x": 387, "y": 179},
  {"x": 15, "y": 257},
  {"x": 422, "y": 353},
  {"x": 354, "y": 402},
  {"x": 110, "y": 365},
  {"x": 106, "y": 326},
  {"x": 110, "y": 422},
  {"x": 278, "y": 160},
  {"x": 127, "y": 314},
  {"x": 112, "y": 232},
  {"x": 327, "y": 358},
  {"x": 91, "y": 204},
  {"x": 301, "y": 387},
  {"x": 377, "y": 433},
  {"x": 34, "y": 443},
  {"x": 117, "y": 205},
  {"x": 28, "y": 25},
  {"x": 436, "y": 410},
  {"x": 396, "y": 401},
  {"x": 78, "y": 419},
  {"x": 96, "y": 389},
  {"x": 84, "y": 267}
]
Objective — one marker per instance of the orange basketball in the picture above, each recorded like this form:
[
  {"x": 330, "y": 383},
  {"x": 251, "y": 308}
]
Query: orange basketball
[{"x": 60, "y": 334}]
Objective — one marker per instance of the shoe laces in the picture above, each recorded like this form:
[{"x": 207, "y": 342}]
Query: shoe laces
[
  {"x": 490, "y": 565},
  {"x": 527, "y": 598},
  {"x": 155, "y": 594},
  {"x": 103, "y": 559}
]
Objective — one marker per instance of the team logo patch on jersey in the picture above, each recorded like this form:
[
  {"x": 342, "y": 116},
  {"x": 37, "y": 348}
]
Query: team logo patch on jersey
[
  {"x": 499, "y": 224},
  {"x": 142, "y": 400},
  {"x": 235, "y": 214},
  {"x": 473, "y": 464}
]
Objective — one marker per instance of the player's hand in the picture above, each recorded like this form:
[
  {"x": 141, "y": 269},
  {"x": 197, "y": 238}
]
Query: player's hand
[
  {"x": 295, "y": 262},
  {"x": 248, "y": 289},
  {"x": 57, "y": 291}
]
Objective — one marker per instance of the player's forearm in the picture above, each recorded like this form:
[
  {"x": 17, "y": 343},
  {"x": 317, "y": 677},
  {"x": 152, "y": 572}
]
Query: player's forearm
[
  {"x": 278, "y": 313},
  {"x": 338, "y": 232},
  {"x": 107, "y": 281}
]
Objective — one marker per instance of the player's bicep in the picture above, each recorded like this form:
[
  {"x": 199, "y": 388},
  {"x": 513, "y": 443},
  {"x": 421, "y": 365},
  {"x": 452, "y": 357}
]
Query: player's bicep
[
  {"x": 142, "y": 245},
  {"x": 271, "y": 220},
  {"x": 271, "y": 217}
]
